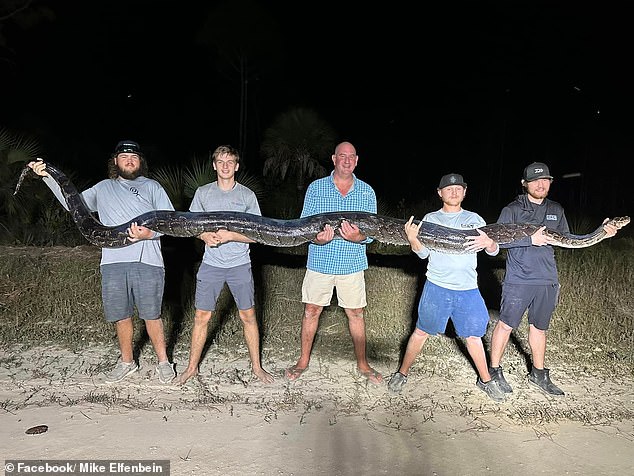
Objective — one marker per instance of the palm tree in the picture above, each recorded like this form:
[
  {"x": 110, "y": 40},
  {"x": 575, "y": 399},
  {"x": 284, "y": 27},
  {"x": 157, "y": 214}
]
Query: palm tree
[
  {"x": 16, "y": 149},
  {"x": 181, "y": 183},
  {"x": 299, "y": 144}
]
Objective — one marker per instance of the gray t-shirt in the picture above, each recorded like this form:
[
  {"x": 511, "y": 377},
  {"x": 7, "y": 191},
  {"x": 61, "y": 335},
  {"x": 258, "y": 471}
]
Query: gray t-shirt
[
  {"x": 118, "y": 201},
  {"x": 210, "y": 198}
]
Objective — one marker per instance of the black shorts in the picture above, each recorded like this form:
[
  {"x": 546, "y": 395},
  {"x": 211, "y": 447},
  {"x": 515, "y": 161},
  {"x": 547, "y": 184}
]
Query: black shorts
[{"x": 540, "y": 300}]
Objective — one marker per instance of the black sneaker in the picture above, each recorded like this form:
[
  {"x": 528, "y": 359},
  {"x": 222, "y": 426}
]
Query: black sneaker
[
  {"x": 498, "y": 376},
  {"x": 541, "y": 379},
  {"x": 396, "y": 382},
  {"x": 492, "y": 389}
]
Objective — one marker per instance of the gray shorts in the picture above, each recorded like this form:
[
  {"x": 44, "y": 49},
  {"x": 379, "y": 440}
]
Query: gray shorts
[
  {"x": 210, "y": 280},
  {"x": 540, "y": 300},
  {"x": 125, "y": 285}
]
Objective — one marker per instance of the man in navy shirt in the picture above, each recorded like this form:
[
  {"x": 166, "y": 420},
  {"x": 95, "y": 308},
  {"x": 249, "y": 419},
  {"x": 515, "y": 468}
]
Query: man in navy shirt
[{"x": 531, "y": 280}]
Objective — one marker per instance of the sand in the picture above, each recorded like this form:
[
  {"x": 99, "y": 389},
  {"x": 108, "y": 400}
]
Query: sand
[{"x": 331, "y": 421}]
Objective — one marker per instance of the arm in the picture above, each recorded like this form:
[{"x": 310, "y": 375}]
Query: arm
[
  {"x": 39, "y": 167},
  {"x": 411, "y": 230},
  {"x": 310, "y": 208},
  {"x": 160, "y": 201},
  {"x": 482, "y": 242},
  {"x": 507, "y": 216}
]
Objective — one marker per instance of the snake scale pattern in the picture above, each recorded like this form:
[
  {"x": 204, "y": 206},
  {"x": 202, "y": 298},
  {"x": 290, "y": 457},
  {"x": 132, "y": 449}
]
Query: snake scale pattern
[{"x": 286, "y": 233}]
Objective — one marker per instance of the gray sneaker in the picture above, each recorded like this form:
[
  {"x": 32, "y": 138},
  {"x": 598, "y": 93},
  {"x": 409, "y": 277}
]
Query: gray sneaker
[
  {"x": 497, "y": 375},
  {"x": 121, "y": 371},
  {"x": 540, "y": 378},
  {"x": 492, "y": 389},
  {"x": 165, "y": 371},
  {"x": 396, "y": 382}
]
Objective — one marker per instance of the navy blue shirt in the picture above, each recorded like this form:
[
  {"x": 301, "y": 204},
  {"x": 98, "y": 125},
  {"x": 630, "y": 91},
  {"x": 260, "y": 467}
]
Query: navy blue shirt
[{"x": 525, "y": 263}]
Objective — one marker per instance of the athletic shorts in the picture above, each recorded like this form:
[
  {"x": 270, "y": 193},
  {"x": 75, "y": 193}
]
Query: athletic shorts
[
  {"x": 540, "y": 300},
  {"x": 126, "y": 285},
  {"x": 317, "y": 289},
  {"x": 210, "y": 280},
  {"x": 466, "y": 309}
]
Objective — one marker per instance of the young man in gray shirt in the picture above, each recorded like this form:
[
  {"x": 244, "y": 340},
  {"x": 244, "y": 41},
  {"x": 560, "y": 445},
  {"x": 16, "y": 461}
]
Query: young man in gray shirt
[
  {"x": 226, "y": 260},
  {"x": 133, "y": 275}
]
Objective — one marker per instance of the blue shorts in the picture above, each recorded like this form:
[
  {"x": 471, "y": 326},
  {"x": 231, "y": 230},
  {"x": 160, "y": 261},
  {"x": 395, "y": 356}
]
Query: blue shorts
[
  {"x": 540, "y": 300},
  {"x": 210, "y": 280},
  {"x": 466, "y": 309},
  {"x": 125, "y": 285}
]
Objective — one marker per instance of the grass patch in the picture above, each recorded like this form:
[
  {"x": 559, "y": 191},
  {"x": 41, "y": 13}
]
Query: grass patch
[{"x": 52, "y": 296}]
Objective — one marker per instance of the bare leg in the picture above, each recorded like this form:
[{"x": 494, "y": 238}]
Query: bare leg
[
  {"x": 476, "y": 351},
  {"x": 252, "y": 339},
  {"x": 414, "y": 347},
  {"x": 199, "y": 337},
  {"x": 356, "y": 325},
  {"x": 310, "y": 322},
  {"x": 154, "y": 329},
  {"x": 499, "y": 340},
  {"x": 537, "y": 342},
  {"x": 125, "y": 332}
]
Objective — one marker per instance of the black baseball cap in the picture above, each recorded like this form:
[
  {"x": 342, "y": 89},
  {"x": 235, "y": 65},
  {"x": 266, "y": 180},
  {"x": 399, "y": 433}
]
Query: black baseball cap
[
  {"x": 128, "y": 146},
  {"x": 535, "y": 171},
  {"x": 451, "y": 179}
]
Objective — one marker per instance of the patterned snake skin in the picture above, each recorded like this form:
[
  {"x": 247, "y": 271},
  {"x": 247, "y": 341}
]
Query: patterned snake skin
[{"x": 284, "y": 233}]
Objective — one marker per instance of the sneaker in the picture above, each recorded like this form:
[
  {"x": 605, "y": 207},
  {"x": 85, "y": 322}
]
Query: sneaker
[
  {"x": 498, "y": 376},
  {"x": 165, "y": 371},
  {"x": 492, "y": 389},
  {"x": 121, "y": 371},
  {"x": 541, "y": 379},
  {"x": 396, "y": 382}
]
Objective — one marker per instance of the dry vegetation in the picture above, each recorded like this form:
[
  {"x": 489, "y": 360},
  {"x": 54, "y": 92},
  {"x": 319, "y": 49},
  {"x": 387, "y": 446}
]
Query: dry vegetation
[
  {"x": 50, "y": 304},
  {"x": 52, "y": 296}
]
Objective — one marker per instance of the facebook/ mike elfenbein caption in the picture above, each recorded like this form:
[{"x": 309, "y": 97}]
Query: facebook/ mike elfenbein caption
[{"x": 87, "y": 467}]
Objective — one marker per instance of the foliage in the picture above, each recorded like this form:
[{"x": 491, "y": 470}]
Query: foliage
[
  {"x": 299, "y": 144},
  {"x": 181, "y": 183}
]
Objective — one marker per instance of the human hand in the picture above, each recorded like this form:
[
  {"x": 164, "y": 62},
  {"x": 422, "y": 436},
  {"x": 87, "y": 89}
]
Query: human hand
[
  {"x": 610, "y": 230},
  {"x": 412, "y": 229},
  {"x": 480, "y": 242},
  {"x": 137, "y": 233},
  {"x": 210, "y": 238},
  {"x": 325, "y": 236},
  {"x": 39, "y": 167},
  {"x": 539, "y": 239},
  {"x": 351, "y": 232}
]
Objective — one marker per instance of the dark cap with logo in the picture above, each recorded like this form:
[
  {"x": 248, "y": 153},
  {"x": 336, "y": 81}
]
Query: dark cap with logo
[
  {"x": 128, "y": 146},
  {"x": 451, "y": 179},
  {"x": 535, "y": 171}
]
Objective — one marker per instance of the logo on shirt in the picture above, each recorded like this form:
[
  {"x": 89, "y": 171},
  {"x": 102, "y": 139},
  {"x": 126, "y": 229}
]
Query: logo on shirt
[
  {"x": 551, "y": 217},
  {"x": 135, "y": 191}
]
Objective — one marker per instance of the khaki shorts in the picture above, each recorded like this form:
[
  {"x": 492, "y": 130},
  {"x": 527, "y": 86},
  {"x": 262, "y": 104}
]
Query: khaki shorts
[{"x": 317, "y": 289}]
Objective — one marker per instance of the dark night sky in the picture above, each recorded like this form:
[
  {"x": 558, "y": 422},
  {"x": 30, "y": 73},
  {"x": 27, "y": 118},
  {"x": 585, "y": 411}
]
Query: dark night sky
[{"x": 480, "y": 88}]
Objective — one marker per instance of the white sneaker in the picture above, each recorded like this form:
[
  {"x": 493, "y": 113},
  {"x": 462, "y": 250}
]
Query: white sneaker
[
  {"x": 121, "y": 371},
  {"x": 165, "y": 371}
]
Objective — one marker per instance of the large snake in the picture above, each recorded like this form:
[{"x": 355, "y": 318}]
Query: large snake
[{"x": 284, "y": 233}]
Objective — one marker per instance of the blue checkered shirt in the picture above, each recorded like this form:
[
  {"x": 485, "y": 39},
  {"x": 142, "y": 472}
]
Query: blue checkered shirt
[{"x": 339, "y": 256}]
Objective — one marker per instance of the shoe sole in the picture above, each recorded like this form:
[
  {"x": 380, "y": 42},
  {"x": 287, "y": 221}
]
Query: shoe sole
[
  {"x": 170, "y": 379},
  {"x": 130, "y": 372},
  {"x": 398, "y": 389},
  {"x": 532, "y": 384},
  {"x": 500, "y": 399}
]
